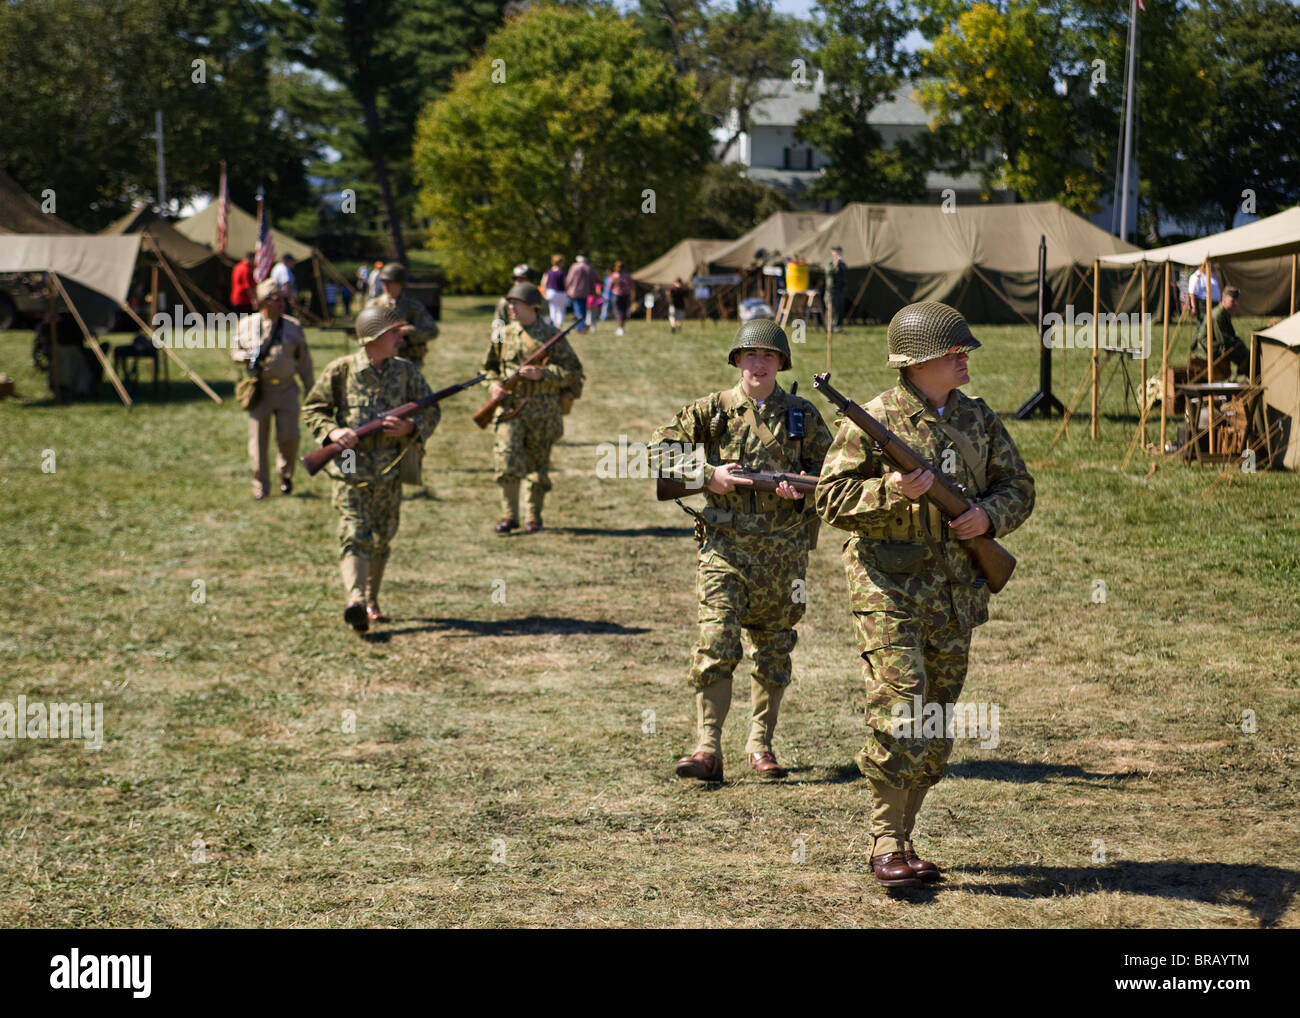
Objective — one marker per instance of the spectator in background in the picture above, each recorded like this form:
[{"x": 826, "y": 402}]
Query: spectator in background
[
  {"x": 363, "y": 278},
  {"x": 580, "y": 284},
  {"x": 1196, "y": 287},
  {"x": 376, "y": 287},
  {"x": 677, "y": 295},
  {"x": 553, "y": 290},
  {"x": 620, "y": 286},
  {"x": 241, "y": 286},
  {"x": 282, "y": 273},
  {"x": 605, "y": 292}
]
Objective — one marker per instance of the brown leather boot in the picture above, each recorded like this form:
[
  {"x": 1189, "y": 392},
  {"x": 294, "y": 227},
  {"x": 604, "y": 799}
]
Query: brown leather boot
[
  {"x": 765, "y": 765},
  {"x": 923, "y": 868},
  {"x": 892, "y": 870},
  {"x": 704, "y": 766}
]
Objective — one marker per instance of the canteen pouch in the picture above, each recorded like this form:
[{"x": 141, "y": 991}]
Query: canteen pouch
[
  {"x": 248, "y": 391},
  {"x": 899, "y": 557}
]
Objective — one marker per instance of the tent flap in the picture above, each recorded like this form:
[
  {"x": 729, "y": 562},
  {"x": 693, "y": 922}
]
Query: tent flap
[{"x": 102, "y": 264}]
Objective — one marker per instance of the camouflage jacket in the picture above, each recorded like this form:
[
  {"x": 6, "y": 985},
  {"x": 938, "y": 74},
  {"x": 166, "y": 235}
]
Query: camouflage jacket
[
  {"x": 350, "y": 393},
  {"x": 900, "y": 557},
  {"x": 725, "y": 437},
  {"x": 415, "y": 344},
  {"x": 515, "y": 345}
]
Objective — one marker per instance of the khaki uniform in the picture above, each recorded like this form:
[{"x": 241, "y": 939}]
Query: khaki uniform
[
  {"x": 753, "y": 554},
  {"x": 367, "y": 485},
  {"x": 415, "y": 344},
  {"x": 1226, "y": 342},
  {"x": 522, "y": 445},
  {"x": 287, "y": 357},
  {"x": 912, "y": 587}
]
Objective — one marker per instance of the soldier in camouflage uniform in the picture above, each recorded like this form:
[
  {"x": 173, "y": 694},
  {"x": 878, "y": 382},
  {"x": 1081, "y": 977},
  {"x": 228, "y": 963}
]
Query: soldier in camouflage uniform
[
  {"x": 912, "y": 587},
  {"x": 418, "y": 327},
  {"x": 529, "y": 420},
  {"x": 352, "y": 391},
  {"x": 754, "y": 545}
]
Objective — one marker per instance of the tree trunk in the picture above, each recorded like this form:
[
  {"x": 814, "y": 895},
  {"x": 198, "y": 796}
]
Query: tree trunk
[{"x": 371, "y": 111}]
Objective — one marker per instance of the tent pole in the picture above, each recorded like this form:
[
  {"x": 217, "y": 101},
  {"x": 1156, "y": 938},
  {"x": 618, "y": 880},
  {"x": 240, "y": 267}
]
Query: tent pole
[
  {"x": 1293, "y": 272},
  {"x": 1142, "y": 333},
  {"x": 1164, "y": 366},
  {"x": 1209, "y": 344},
  {"x": 1096, "y": 340},
  {"x": 327, "y": 313},
  {"x": 185, "y": 368},
  {"x": 52, "y": 316},
  {"x": 180, "y": 290},
  {"x": 153, "y": 294},
  {"x": 94, "y": 344}
]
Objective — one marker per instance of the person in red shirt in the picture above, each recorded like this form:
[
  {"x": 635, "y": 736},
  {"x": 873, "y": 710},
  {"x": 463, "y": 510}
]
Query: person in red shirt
[{"x": 241, "y": 286}]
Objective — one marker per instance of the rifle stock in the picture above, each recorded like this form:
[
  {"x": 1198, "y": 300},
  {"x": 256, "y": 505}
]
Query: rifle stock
[
  {"x": 670, "y": 487},
  {"x": 991, "y": 560},
  {"x": 317, "y": 458},
  {"x": 484, "y": 415}
]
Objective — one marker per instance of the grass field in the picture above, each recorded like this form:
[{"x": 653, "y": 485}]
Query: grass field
[{"x": 503, "y": 769}]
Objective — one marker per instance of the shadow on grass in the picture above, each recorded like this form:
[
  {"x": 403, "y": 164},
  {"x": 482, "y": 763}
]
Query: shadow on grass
[
  {"x": 532, "y": 625},
  {"x": 1025, "y": 773},
  {"x": 624, "y": 531},
  {"x": 1265, "y": 891}
]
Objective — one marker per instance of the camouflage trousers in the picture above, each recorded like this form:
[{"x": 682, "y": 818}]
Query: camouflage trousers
[
  {"x": 749, "y": 582},
  {"x": 369, "y": 512},
  {"x": 522, "y": 452},
  {"x": 904, "y": 658}
]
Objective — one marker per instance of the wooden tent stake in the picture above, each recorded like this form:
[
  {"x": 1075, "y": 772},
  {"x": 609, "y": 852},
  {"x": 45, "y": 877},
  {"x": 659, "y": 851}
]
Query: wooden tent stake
[
  {"x": 185, "y": 368},
  {"x": 1096, "y": 340},
  {"x": 1164, "y": 365},
  {"x": 94, "y": 344}
]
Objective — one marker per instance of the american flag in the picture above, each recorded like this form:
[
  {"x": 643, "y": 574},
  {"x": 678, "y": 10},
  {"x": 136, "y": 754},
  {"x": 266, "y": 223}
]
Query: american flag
[
  {"x": 265, "y": 246},
  {"x": 223, "y": 210}
]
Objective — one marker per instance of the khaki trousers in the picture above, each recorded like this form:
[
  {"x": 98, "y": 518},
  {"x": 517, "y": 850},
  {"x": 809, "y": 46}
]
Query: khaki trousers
[{"x": 281, "y": 403}]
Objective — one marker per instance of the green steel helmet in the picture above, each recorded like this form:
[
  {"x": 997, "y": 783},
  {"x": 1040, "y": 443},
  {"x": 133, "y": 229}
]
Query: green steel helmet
[
  {"x": 393, "y": 272},
  {"x": 374, "y": 321},
  {"x": 761, "y": 334},
  {"x": 527, "y": 293},
  {"x": 926, "y": 330}
]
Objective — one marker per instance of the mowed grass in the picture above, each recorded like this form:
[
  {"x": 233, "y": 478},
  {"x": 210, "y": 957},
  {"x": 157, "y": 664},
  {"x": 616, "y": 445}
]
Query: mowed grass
[{"x": 504, "y": 769}]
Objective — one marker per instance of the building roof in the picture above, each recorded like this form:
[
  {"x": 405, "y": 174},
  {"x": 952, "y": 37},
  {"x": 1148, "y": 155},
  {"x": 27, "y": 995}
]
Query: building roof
[{"x": 788, "y": 101}]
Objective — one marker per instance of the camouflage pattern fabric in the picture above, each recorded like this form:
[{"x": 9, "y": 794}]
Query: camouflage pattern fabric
[
  {"x": 350, "y": 393},
  {"x": 912, "y": 588},
  {"x": 522, "y": 445},
  {"x": 415, "y": 345},
  {"x": 754, "y": 547},
  {"x": 368, "y": 516}
]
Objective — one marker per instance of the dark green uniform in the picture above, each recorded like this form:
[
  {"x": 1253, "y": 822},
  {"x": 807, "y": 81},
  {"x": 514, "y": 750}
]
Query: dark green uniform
[{"x": 836, "y": 280}]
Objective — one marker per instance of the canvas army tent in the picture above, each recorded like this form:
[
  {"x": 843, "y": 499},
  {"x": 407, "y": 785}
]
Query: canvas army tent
[
  {"x": 683, "y": 260},
  {"x": 19, "y": 213},
  {"x": 199, "y": 272},
  {"x": 102, "y": 265},
  {"x": 312, "y": 268},
  {"x": 1260, "y": 258},
  {"x": 981, "y": 259},
  {"x": 1279, "y": 374},
  {"x": 779, "y": 232}
]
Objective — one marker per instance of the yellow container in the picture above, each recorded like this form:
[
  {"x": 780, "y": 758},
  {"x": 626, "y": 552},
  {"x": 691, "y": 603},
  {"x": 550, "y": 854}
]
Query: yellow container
[{"x": 796, "y": 275}]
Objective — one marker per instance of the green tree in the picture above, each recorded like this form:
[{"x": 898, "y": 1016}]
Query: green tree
[
  {"x": 568, "y": 133},
  {"x": 82, "y": 81},
  {"x": 391, "y": 57},
  {"x": 729, "y": 203},
  {"x": 862, "y": 62},
  {"x": 1008, "y": 87}
]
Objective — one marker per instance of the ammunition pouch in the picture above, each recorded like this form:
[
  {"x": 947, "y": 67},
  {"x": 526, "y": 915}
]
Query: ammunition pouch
[
  {"x": 900, "y": 556},
  {"x": 909, "y": 523}
]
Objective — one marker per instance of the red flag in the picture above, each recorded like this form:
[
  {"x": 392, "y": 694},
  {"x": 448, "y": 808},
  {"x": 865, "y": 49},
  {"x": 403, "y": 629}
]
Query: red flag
[
  {"x": 1142, "y": 6},
  {"x": 223, "y": 210}
]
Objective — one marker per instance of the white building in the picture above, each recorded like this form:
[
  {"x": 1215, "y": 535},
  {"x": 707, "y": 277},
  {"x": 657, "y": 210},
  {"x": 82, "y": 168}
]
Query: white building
[{"x": 772, "y": 155}]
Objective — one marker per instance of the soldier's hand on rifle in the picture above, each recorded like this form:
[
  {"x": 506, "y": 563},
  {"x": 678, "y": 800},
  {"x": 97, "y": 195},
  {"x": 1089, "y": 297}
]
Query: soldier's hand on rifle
[
  {"x": 913, "y": 485},
  {"x": 722, "y": 482},
  {"x": 498, "y": 391},
  {"x": 531, "y": 371},
  {"x": 397, "y": 426},
  {"x": 972, "y": 523},
  {"x": 345, "y": 437},
  {"x": 787, "y": 490}
]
